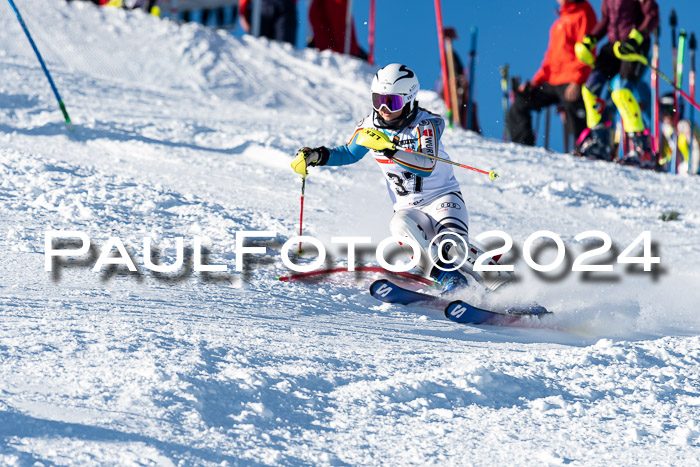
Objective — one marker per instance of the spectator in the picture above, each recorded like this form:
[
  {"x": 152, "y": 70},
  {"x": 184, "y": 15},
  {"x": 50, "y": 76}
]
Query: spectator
[
  {"x": 462, "y": 88},
  {"x": 327, "y": 18},
  {"x": 559, "y": 79},
  {"x": 627, "y": 24},
  {"x": 278, "y": 19},
  {"x": 216, "y": 13}
]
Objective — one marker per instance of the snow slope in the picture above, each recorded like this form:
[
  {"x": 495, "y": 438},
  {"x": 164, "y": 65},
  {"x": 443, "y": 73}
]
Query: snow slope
[{"x": 182, "y": 132}]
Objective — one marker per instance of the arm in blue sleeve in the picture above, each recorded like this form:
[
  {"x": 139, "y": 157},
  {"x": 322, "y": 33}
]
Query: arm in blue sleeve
[{"x": 347, "y": 153}]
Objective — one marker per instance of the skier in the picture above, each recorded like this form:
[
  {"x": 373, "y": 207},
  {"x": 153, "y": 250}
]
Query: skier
[
  {"x": 628, "y": 24},
  {"x": 426, "y": 196},
  {"x": 560, "y": 76}
]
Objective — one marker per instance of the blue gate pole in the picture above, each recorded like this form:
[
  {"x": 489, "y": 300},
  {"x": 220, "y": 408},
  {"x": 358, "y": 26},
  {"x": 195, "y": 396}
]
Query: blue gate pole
[{"x": 43, "y": 66}]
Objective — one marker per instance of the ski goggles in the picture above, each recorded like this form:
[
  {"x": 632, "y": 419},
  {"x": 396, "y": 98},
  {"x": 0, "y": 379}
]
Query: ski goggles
[{"x": 393, "y": 102}]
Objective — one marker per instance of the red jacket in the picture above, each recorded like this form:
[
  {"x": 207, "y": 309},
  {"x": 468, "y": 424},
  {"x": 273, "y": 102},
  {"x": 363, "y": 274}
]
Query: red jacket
[
  {"x": 619, "y": 17},
  {"x": 327, "y": 18},
  {"x": 560, "y": 65}
]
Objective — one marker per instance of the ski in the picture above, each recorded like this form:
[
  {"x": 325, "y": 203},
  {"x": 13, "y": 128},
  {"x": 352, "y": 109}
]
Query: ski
[
  {"x": 387, "y": 291},
  {"x": 678, "y": 79},
  {"x": 458, "y": 311},
  {"x": 504, "y": 101}
]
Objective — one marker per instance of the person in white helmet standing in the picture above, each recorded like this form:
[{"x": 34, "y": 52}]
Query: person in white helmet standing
[{"x": 426, "y": 195}]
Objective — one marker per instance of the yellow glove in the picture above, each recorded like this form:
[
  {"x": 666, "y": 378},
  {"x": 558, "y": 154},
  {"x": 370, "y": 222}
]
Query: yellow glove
[
  {"x": 633, "y": 42},
  {"x": 629, "y": 49},
  {"x": 307, "y": 157},
  {"x": 585, "y": 49}
]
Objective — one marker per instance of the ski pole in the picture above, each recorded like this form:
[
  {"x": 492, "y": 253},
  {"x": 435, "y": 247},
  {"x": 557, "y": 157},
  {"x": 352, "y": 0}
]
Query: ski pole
[
  {"x": 537, "y": 125},
  {"x": 547, "y": 124},
  {"x": 43, "y": 66},
  {"x": 301, "y": 211},
  {"x": 492, "y": 174},
  {"x": 691, "y": 84},
  {"x": 378, "y": 141},
  {"x": 504, "y": 101},
  {"x": 673, "y": 21},
  {"x": 656, "y": 90},
  {"x": 643, "y": 60},
  {"x": 678, "y": 80},
  {"x": 685, "y": 95}
]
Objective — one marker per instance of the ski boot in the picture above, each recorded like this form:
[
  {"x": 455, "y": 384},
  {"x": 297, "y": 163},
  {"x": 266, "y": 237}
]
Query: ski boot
[
  {"x": 639, "y": 153},
  {"x": 594, "y": 143},
  {"x": 449, "y": 281}
]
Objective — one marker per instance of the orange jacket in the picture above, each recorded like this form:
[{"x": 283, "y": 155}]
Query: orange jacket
[{"x": 560, "y": 65}]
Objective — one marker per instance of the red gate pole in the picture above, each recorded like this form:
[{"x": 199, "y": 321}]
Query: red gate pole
[{"x": 443, "y": 62}]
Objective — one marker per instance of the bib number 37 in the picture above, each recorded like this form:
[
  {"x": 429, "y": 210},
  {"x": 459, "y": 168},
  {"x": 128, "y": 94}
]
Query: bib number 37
[{"x": 409, "y": 183}]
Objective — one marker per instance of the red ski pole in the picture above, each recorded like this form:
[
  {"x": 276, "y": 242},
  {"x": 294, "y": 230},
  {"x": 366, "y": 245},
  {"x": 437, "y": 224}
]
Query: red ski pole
[
  {"x": 655, "y": 89},
  {"x": 370, "y": 57},
  {"x": 443, "y": 62}
]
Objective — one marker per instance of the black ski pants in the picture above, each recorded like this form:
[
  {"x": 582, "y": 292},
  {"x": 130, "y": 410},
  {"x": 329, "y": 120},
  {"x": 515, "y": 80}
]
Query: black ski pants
[
  {"x": 278, "y": 20},
  {"x": 520, "y": 118},
  {"x": 607, "y": 65}
]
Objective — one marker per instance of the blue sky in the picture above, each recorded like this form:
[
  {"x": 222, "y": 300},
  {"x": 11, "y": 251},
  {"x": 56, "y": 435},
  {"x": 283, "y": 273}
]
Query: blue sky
[{"x": 510, "y": 31}]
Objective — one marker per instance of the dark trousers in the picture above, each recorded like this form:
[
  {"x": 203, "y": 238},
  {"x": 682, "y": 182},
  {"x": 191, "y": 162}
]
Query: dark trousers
[
  {"x": 520, "y": 119},
  {"x": 607, "y": 65},
  {"x": 278, "y": 20}
]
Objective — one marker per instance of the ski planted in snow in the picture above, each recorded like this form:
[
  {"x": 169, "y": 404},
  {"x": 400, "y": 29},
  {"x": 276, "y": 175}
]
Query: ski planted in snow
[{"x": 505, "y": 101}]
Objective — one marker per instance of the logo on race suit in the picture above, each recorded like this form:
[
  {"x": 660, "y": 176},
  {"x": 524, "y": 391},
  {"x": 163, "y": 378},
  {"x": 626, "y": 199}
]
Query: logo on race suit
[
  {"x": 429, "y": 142},
  {"x": 448, "y": 205},
  {"x": 427, "y": 132}
]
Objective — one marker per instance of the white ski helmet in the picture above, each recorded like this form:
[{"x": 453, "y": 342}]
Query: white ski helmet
[{"x": 394, "y": 86}]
